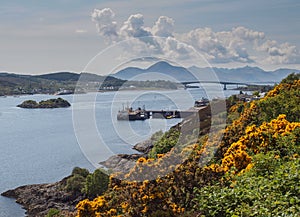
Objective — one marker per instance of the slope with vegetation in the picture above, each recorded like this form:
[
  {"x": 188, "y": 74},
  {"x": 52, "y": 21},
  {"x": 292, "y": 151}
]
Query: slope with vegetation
[{"x": 254, "y": 172}]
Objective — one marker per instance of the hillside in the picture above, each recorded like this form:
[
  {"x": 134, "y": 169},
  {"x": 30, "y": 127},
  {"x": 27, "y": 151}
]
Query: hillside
[
  {"x": 252, "y": 173},
  {"x": 15, "y": 84},
  {"x": 60, "y": 76}
]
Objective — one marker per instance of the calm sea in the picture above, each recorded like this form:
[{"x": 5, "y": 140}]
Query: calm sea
[{"x": 40, "y": 146}]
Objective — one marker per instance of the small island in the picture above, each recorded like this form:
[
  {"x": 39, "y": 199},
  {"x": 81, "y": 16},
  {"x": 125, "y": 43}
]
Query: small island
[{"x": 50, "y": 103}]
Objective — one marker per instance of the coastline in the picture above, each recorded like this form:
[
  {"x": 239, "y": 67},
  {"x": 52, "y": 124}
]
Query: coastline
[{"x": 38, "y": 199}]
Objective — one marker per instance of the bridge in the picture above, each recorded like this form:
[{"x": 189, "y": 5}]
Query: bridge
[{"x": 225, "y": 83}]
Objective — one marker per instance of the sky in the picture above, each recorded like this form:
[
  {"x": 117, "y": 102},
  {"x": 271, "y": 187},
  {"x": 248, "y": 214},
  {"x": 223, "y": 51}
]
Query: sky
[{"x": 39, "y": 36}]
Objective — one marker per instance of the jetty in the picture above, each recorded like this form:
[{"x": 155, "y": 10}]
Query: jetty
[{"x": 143, "y": 114}]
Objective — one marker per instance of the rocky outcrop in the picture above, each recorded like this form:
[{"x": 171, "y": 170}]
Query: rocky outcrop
[
  {"x": 124, "y": 162},
  {"x": 40, "y": 198},
  {"x": 50, "y": 103},
  {"x": 121, "y": 162},
  {"x": 144, "y": 147}
]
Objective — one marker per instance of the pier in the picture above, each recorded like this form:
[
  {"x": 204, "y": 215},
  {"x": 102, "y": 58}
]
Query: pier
[
  {"x": 168, "y": 114},
  {"x": 142, "y": 114}
]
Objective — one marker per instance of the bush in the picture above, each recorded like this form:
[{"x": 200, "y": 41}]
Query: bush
[
  {"x": 165, "y": 143},
  {"x": 96, "y": 184},
  {"x": 255, "y": 193},
  {"x": 75, "y": 184},
  {"x": 80, "y": 171}
]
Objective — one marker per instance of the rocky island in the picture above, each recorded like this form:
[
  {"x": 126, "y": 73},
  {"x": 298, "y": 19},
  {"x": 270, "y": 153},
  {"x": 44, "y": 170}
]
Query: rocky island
[{"x": 50, "y": 103}]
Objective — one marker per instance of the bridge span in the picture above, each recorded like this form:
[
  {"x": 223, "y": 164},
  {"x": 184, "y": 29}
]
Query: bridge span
[{"x": 225, "y": 83}]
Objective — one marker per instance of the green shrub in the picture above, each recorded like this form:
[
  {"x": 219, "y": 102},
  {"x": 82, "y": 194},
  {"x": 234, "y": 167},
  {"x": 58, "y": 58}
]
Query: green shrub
[
  {"x": 165, "y": 143},
  {"x": 96, "y": 184},
  {"x": 75, "y": 184},
  {"x": 80, "y": 171},
  {"x": 259, "y": 192}
]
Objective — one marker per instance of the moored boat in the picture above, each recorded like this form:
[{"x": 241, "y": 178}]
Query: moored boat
[{"x": 132, "y": 115}]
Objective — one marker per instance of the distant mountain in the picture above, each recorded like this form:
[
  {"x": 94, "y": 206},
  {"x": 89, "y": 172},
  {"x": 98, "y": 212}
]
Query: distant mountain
[
  {"x": 177, "y": 72},
  {"x": 244, "y": 74}
]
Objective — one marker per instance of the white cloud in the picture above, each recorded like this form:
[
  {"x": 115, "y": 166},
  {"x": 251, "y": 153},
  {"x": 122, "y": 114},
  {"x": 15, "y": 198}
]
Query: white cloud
[
  {"x": 247, "y": 34},
  {"x": 280, "y": 53},
  {"x": 105, "y": 22},
  {"x": 134, "y": 27},
  {"x": 239, "y": 45},
  {"x": 219, "y": 47},
  {"x": 164, "y": 27}
]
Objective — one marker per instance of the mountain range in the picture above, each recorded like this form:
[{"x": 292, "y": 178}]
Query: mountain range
[
  {"x": 52, "y": 82},
  {"x": 182, "y": 74}
]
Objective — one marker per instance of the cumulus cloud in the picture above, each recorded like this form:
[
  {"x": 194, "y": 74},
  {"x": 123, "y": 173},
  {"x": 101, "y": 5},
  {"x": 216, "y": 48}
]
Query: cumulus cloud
[
  {"x": 280, "y": 53},
  {"x": 105, "y": 23},
  {"x": 221, "y": 47},
  {"x": 240, "y": 44},
  {"x": 247, "y": 34},
  {"x": 134, "y": 27},
  {"x": 163, "y": 27}
]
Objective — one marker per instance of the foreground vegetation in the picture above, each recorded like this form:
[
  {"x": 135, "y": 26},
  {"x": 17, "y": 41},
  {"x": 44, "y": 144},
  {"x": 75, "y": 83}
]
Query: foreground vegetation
[{"x": 253, "y": 172}]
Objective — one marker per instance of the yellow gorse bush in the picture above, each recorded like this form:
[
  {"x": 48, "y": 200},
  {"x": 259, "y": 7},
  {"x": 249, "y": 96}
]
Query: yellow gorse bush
[{"x": 255, "y": 139}]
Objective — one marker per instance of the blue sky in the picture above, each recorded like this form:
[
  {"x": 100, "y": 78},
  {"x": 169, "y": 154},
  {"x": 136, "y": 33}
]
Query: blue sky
[{"x": 39, "y": 36}]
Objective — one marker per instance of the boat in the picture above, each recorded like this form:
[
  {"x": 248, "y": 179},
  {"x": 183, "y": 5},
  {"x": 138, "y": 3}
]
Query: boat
[
  {"x": 169, "y": 115},
  {"x": 202, "y": 102},
  {"x": 133, "y": 115},
  {"x": 64, "y": 92}
]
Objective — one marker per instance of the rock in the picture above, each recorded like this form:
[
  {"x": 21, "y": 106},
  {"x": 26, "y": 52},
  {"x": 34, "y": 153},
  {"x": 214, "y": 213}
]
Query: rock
[
  {"x": 50, "y": 103},
  {"x": 40, "y": 198},
  {"x": 121, "y": 162},
  {"x": 145, "y": 146}
]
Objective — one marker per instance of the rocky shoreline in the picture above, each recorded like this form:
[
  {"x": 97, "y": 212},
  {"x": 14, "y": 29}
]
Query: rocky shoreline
[
  {"x": 33, "y": 198},
  {"x": 124, "y": 162}
]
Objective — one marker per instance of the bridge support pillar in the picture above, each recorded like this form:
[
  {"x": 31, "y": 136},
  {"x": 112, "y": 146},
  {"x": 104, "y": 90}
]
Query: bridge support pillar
[{"x": 224, "y": 88}]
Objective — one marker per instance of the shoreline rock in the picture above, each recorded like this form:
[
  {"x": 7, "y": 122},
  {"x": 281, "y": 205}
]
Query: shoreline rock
[
  {"x": 145, "y": 146},
  {"x": 38, "y": 199},
  {"x": 121, "y": 162}
]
